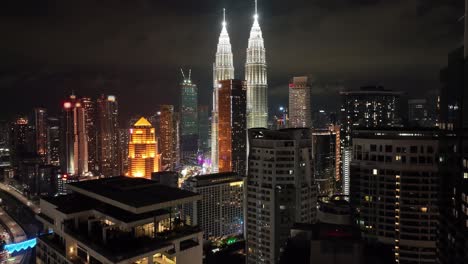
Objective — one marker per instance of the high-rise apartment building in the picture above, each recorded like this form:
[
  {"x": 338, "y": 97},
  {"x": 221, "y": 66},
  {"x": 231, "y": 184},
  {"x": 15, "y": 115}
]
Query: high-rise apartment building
[
  {"x": 19, "y": 137},
  {"x": 300, "y": 111},
  {"x": 89, "y": 107},
  {"x": 223, "y": 69},
  {"x": 256, "y": 77},
  {"x": 232, "y": 127},
  {"x": 453, "y": 120},
  {"x": 74, "y": 140},
  {"x": 220, "y": 212},
  {"x": 107, "y": 135},
  {"x": 417, "y": 112},
  {"x": 118, "y": 220},
  {"x": 124, "y": 140},
  {"x": 188, "y": 118},
  {"x": 395, "y": 187},
  {"x": 166, "y": 137},
  {"x": 280, "y": 190},
  {"x": 143, "y": 156},
  {"x": 326, "y": 154}
]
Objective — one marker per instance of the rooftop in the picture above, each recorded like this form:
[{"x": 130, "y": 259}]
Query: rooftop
[
  {"x": 215, "y": 178},
  {"x": 136, "y": 195}
]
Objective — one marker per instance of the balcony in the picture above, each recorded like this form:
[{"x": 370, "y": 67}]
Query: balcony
[{"x": 121, "y": 245}]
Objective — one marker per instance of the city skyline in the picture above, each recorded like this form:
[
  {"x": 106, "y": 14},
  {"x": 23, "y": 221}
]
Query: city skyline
[{"x": 397, "y": 66}]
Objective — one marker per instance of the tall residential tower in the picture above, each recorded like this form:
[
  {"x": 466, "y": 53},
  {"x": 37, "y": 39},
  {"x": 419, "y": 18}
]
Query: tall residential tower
[
  {"x": 256, "y": 76},
  {"x": 189, "y": 117},
  {"x": 223, "y": 69}
]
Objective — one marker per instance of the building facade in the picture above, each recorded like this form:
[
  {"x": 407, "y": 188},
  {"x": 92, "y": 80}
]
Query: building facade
[
  {"x": 220, "y": 212},
  {"x": 395, "y": 187},
  {"x": 107, "y": 136},
  {"x": 74, "y": 139},
  {"x": 232, "y": 127},
  {"x": 280, "y": 190},
  {"x": 223, "y": 69},
  {"x": 166, "y": 137},
  {"x": 188, "y": 118},
  {"x": 89, "y": 107},
  {"x": 40, "y": 133},
  {"x": 143, "y": 156},
  {"x": 300, "y": 110}
]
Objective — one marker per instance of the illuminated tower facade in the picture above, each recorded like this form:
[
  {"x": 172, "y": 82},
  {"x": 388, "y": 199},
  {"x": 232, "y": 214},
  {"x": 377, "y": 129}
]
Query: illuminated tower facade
[
  {"x": 107, "y": 135},
  {"x": 223, "y": 69},
  {"x": 189, "y": 117},
  {"x": 74, "y": 160},
  {"x": 143, "y": 156},
  {"x": 256, "y": 76},
  {"x": 89, "y": 107},
  {"x": 41, "y": 138},
  {"x": 300, "y": 112},
  {"x": 232, "y": 126},
  {"x": 166, "y": 137}
]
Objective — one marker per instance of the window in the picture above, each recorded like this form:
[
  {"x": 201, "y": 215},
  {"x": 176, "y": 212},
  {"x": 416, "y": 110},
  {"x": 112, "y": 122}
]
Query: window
[
  {"x": 373, "y": 147},
  {"x": 414, "y": 149},
  {"x": 465, "y": 175},
  {"x": 388, "y": 148},
  {"x": 375, "y": 171},
  {"x": 397, "y": 157}
]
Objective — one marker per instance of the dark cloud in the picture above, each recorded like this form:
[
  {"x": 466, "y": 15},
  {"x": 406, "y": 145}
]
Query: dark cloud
[{"x": 137, "y": 46}]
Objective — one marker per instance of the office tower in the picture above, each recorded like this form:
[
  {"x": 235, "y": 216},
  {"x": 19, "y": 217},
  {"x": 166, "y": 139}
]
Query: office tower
[
  {"x": 107, "y": 135},
  {"x": 256, "y": 76},
  {"x": 368, "y": 107},
  {"x": 419, "y": 114},
  {"x": 453, "y": 120},
  {"x": 53, "y": 144},
  {"x": 232, "y": 126},
  {"x": 143, "y": 156},
  {"x": 299, "y": 102},
  {"x": 188, "y": 118},
  {"x": 89, "y": 107},
  {"x": 280, "y": 190},
  {"x": 220, "y": 211},
  {"x": 124, "y": 139},
  {"x": 167, "y": 178},
  {"x": 325, "y": 154},
  {"x": 39, "y": 121},
  {"x": 118, "y": 220},
  {"x": 395, "y": 187},
  {"x": 223, "y": 69},
  {"x": 4, "y": 134},
  {"x": 18, "y": 137},
  {"x": 74, "y": 143},
  {"x": 166, "y": 138},
  {"x": 204, "y": 128}
]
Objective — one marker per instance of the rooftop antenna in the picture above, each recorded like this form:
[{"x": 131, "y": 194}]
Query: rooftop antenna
[
  {"x": 256, "y": 14},
  {"x": 183, "y": 75},
  {"x": 190, "y": 75},
  {"x": 224, "y": 16}
]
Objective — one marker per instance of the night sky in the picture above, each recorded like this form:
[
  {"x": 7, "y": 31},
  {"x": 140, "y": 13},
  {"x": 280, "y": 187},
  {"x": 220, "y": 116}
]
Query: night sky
[{"x": 134, "y": 48}]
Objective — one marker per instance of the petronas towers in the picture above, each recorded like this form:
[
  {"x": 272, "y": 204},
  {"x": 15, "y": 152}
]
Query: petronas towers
[{"x": 255, "y": 76}]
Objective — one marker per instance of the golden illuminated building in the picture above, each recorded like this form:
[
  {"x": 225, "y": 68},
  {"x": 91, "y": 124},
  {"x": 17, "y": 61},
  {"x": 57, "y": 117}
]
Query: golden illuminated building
[{"x": 143, "y": 156}]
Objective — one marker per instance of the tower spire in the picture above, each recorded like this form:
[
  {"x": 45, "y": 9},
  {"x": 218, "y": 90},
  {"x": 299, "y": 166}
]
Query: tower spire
[
  {"x": 224, "y": 16},
  {"x": 256, "y": 14}
]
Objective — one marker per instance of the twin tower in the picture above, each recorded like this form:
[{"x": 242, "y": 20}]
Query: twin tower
[{"x": 255, "y": 76}]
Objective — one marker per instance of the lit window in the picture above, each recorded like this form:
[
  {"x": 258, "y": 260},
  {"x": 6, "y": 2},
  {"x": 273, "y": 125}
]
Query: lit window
[
  {"x": 398, "y": 157},
  {"x": 424, "y": 209},
  {"x": 465, "y": 175},
  {"x": 375, "y": 171}
]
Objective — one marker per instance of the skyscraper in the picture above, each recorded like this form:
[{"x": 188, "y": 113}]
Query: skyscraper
[
  {"x": 204, "y": 128},
  {"x": 143, "y": 150},
  {"x": 89, "y": 107},
  {"x": 166, "y": 137},
  {"x": 280, "y": 190},
  {"x": 53, "y": 145},
  {"x": 299, "y": 102},
  {"x": 188, "y": 117},
  {"x": 74, "y": 158},
  {"x": 107, "y": 135},
  {"x": 40, "y": 133},
  {"x": 232, "y": 126},
  {"x": 395, "y": 185},
  {"x": 18, "y": 137},
  {"x": 223, "y": 69},
  {"x": 256, "y": 76}
]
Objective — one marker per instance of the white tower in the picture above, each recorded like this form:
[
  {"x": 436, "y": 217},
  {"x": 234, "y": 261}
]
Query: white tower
[
  {"x": 256, "y": 77},
  {"x": 223, "y": 69}
]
